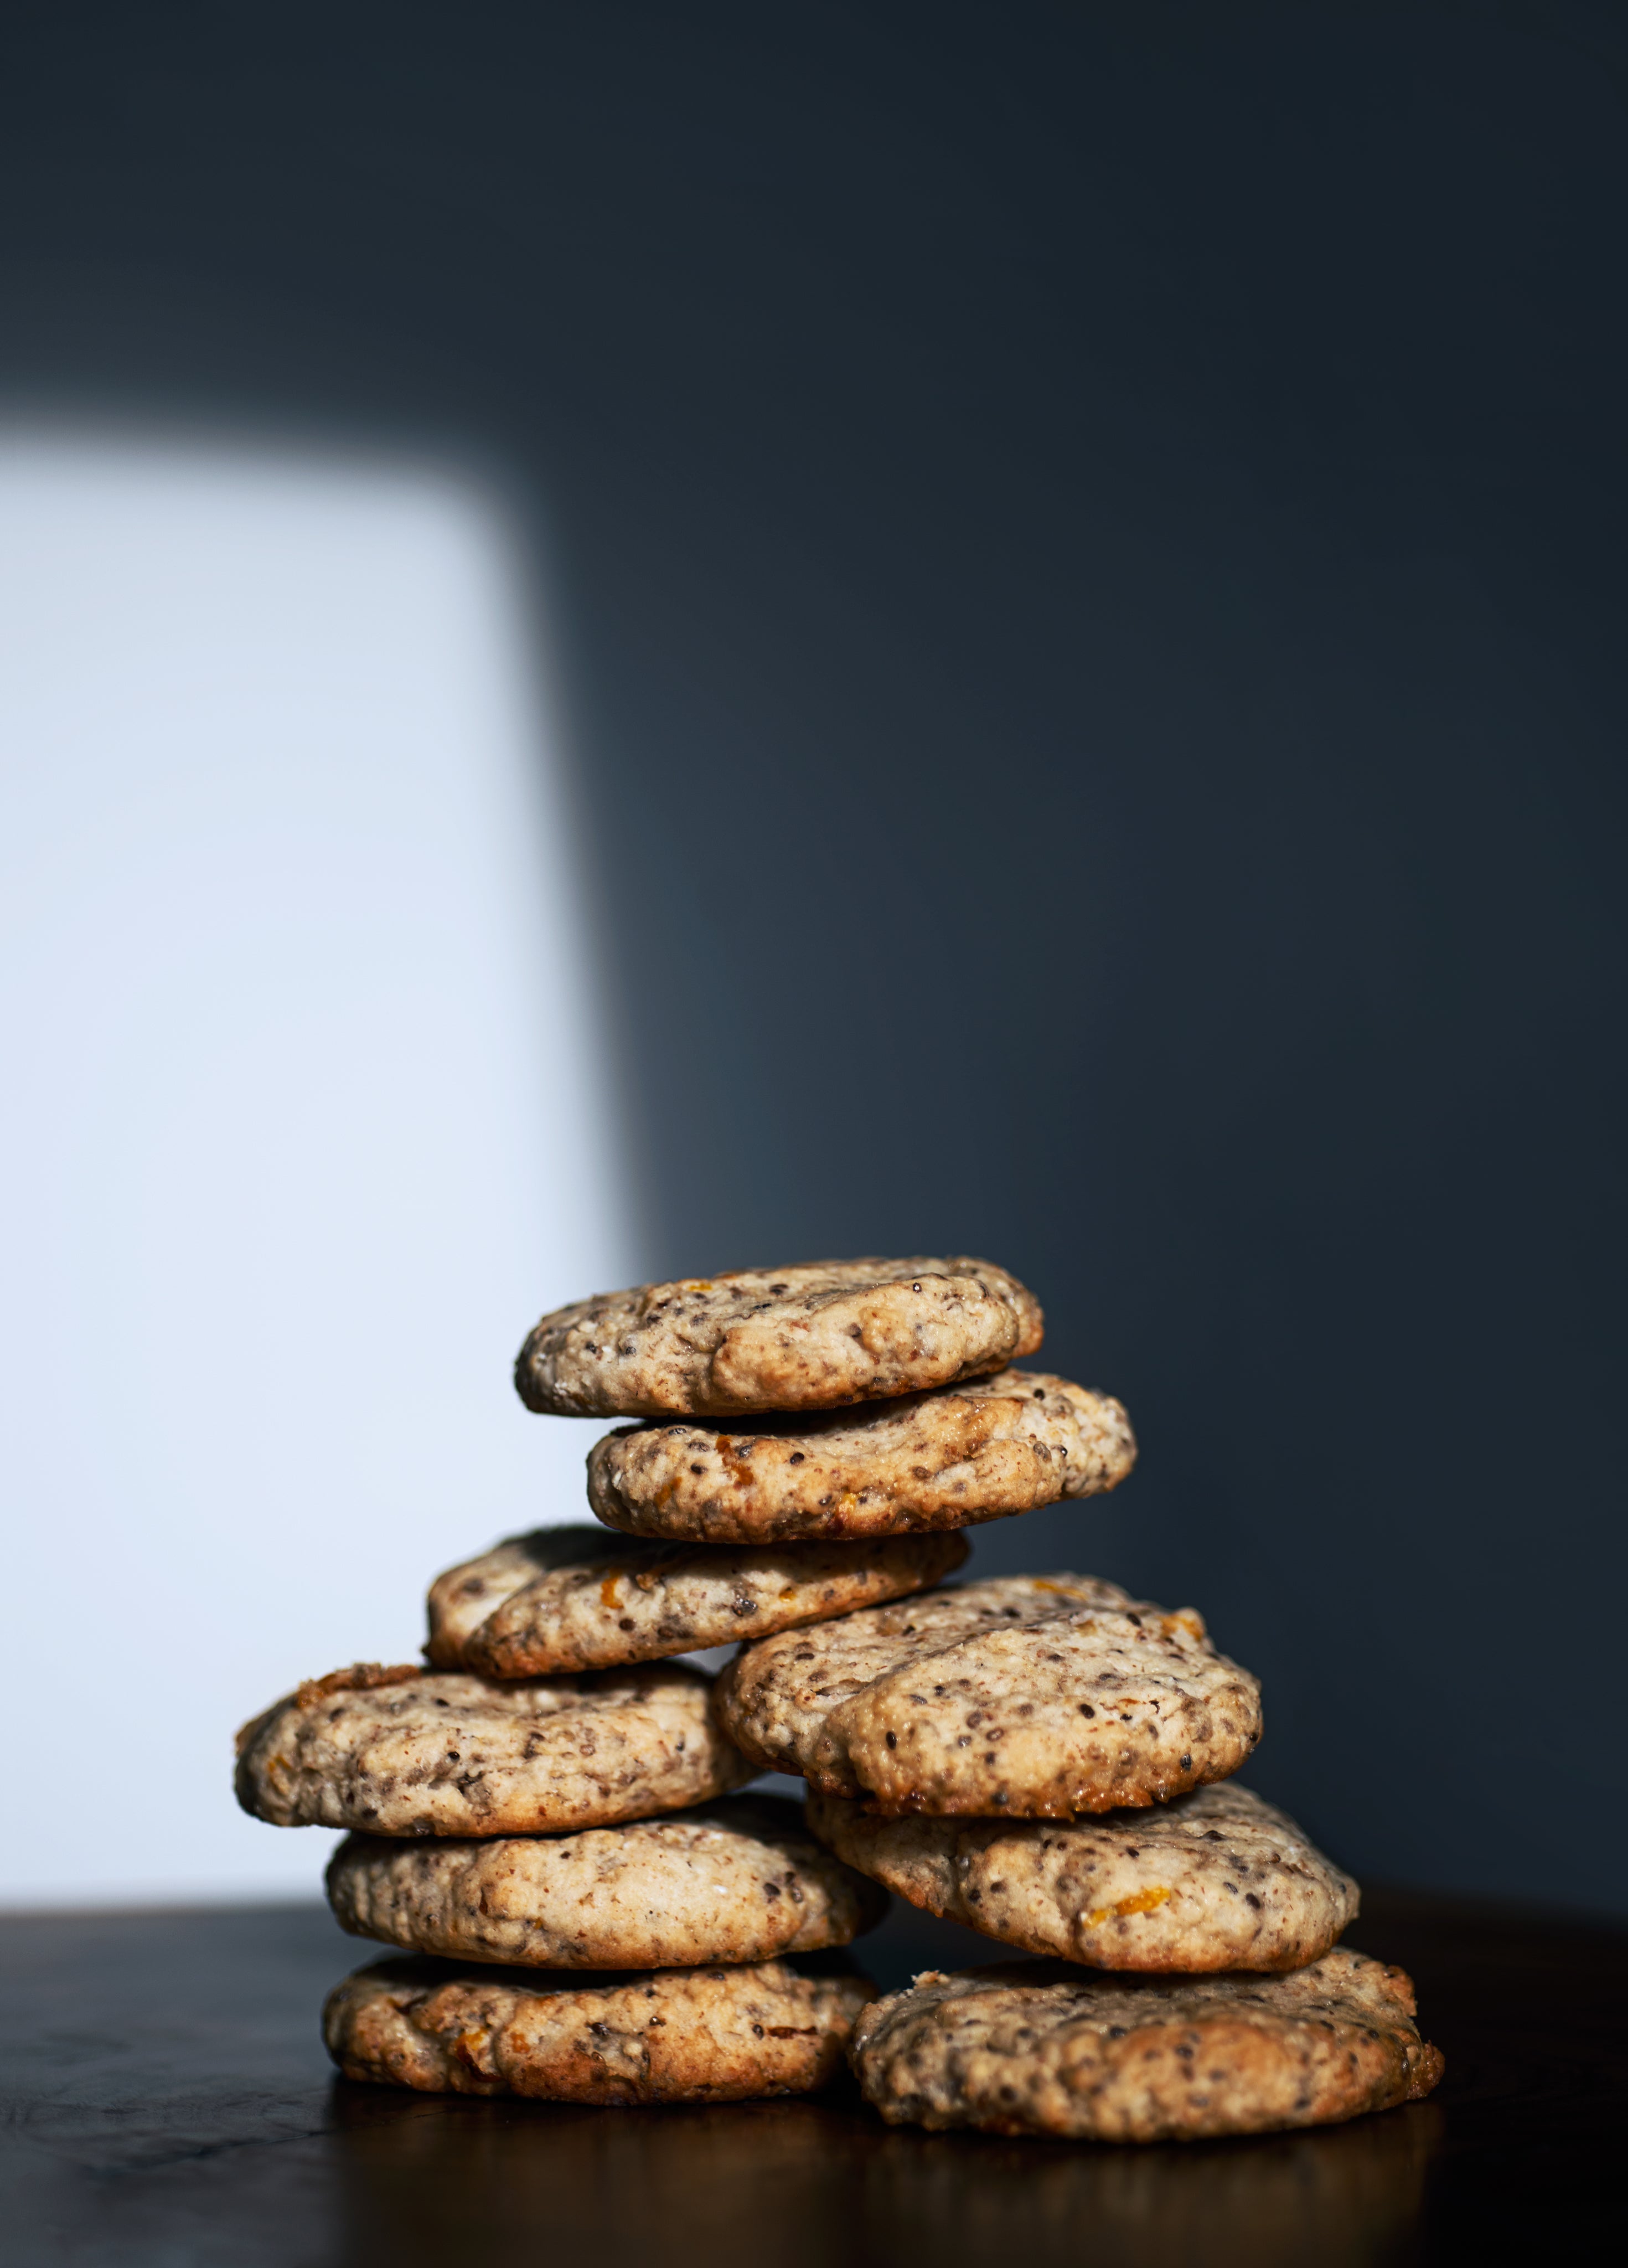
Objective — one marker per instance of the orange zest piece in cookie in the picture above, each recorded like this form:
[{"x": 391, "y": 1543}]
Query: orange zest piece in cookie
[
  {"x": 1187, "y": 1618},
  {"x": 1143, "y": 1902}
]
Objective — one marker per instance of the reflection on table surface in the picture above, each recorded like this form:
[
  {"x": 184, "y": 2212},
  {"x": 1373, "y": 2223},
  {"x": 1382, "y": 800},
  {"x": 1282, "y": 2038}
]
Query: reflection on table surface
[{"x": 822, "y": 2181}]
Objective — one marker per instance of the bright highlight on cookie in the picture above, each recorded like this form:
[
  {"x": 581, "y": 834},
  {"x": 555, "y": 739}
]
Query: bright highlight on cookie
[{"x": 545, "y": 1820}]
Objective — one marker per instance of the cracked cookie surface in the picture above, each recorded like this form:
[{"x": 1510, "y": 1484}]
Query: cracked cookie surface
[
  {"x": 1216, "y": 1879},
  {"x": 1034, "y": 2048},
  {"x": 737, "y": 1881},
  {"x": 408, "y": 1751},
  {"x": 1028, "y": 1695},
  {"x": 962, "y": 1454},
  {"x": 567, "y": 1598},
  {"x": 664, "y": 2036},
  {"x": 806, "y": 1338}
]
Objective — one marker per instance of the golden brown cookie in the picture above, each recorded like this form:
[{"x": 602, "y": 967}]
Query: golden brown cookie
[
  {"x": 806, "y": 1338},
  {"x": 1035, "y": 1697},
  {"x": 1214, "y": 1880},
  {"x": 1038, "y": 2048},
  {"x": 576, "y": 1598},
  {"x": 405, "y": 1751},
  {"x": 659, "y": 2035},
  {"x": 737, "y": 1881},
  {"x": 961, "y": 1453}
]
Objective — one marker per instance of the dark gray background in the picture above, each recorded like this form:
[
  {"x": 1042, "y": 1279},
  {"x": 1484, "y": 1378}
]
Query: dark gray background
[{"x": 1091, "y": 550}]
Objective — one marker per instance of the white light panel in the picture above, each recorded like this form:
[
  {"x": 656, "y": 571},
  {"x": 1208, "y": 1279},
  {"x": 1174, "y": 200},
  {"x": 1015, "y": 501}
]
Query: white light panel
[{"x": 304, "y": 1115}]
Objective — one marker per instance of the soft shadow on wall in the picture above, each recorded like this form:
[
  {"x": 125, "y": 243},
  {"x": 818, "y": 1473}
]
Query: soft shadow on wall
[
  {"x": 1108, "y": 695},
  {"x": 306, "y": 1113}
]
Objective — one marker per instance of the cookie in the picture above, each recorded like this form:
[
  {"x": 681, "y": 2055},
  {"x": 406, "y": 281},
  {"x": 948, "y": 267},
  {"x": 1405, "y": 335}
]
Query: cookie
[
  {"x": 946, "y": 1459},
  {"x": 1038, "y": 1697},
  {"x": 1215, "y": 1879},
  {"x": 1038, "y": 2048},
  {"x": 660, "y": 2035},
  {"x": 577, "y": 1598},
  {"x": 409, "y": 1752},
  {"x": 777, "y": 1338},
  {"x": 740, "y": 1881}
]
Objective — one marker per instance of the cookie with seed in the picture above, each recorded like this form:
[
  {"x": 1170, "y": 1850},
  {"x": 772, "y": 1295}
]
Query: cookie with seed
[
  {"x": 738, "y": 1881},
  {"x": 661, "y": 2035},
  {"x": 405, "y": 1751},
  {"x": 1038, "y": 2048},
  {"x": 1216, "y": 1879},
  {"x": 947, "y": 1459},
  {"x": 1036, "y": 1696},
  {"x": 807, "y": 1337},
  {"x": 576, "y": 1598}
]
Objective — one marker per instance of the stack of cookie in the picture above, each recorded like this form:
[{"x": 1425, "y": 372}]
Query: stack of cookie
[
  {"x": 543, "y": 1815},
  {"x": 1045, "y": 1760},
  {"x": 572, "y": 1825}
]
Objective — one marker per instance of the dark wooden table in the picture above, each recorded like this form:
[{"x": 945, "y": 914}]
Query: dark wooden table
[{"x": 168, "y": 2102}]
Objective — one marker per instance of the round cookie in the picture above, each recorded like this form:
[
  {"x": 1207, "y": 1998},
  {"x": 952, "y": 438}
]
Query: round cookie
[
  {"x": 740, "y": 1881},
  {"x": 665, "y": 2035},
  {"x": 1215, "y": 1879},
  {"x": 576, "y": 1598},
  {"x": 409, "y": 1752},
  {"x": 777, "y": 1338},
  {"x": 946, "y": 1459},
  {"x": 1037, "y": 1696},
  {"x": 1036, "y": 2048}
]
